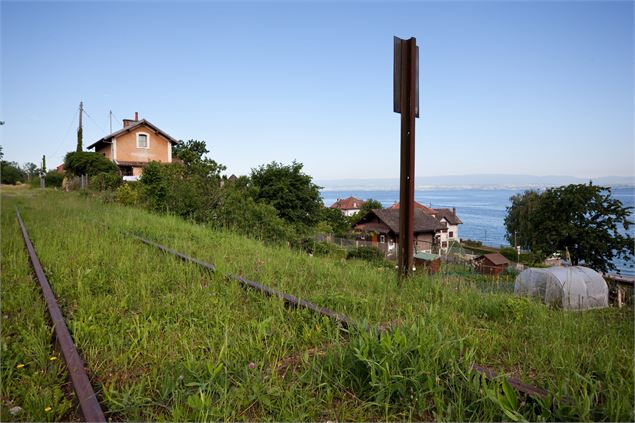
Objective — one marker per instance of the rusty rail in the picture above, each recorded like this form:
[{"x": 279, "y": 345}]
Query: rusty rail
[
  {"x": 341, "y": 319},
  {"x": 291, "y": 300},
  {"x": 90, "y": 408}
]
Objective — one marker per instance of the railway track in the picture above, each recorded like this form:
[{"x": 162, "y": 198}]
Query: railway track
[{"x": 89, "y": 406}]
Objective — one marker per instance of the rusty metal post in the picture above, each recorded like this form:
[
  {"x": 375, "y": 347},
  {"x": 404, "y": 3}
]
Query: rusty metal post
[{"x": 407, "y": 102}]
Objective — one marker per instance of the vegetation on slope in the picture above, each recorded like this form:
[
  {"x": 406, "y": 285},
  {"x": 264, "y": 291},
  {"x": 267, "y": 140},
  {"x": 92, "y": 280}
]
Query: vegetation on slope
[{"x": 165, "y": 340}]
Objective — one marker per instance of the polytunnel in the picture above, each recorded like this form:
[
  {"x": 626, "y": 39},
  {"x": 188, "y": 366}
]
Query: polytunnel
[{"x": 570, "y": 287}]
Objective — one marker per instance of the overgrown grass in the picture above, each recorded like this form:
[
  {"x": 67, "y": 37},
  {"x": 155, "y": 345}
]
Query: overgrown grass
[{"x": 165, "y": 340}]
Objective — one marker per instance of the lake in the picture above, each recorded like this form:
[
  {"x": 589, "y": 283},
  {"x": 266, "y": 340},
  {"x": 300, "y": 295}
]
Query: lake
[{"x": 481, "y": 210}]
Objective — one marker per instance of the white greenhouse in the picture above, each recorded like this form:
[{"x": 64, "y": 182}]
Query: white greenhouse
[{"x": 570, "y": 287}]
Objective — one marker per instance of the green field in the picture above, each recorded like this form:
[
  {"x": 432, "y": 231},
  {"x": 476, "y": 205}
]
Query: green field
[{"x": 166, "y": 340}]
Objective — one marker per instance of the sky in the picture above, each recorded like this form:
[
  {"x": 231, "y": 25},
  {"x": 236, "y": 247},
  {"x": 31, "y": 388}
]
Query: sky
[{"x": 507, "y": 87}]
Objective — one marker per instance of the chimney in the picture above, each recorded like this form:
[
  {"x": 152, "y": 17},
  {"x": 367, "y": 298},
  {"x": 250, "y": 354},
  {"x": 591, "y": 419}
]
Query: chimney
[
  {"x": 454, "y": 211},
  {"x": 130, "y": 122}
]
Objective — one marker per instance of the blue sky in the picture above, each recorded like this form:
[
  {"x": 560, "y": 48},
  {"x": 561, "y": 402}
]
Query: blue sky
[{"x": 542, "y": 88}]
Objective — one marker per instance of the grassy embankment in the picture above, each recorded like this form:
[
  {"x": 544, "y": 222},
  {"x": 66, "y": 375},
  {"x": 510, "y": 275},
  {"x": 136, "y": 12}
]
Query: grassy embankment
[{"x": 165, "y": 340}]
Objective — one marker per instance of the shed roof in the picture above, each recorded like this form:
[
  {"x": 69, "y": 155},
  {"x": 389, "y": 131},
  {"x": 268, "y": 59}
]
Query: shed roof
[{"x": 495, "y": 258}]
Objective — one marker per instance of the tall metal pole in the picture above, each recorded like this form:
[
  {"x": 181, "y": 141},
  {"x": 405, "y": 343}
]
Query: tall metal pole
[
  {"x": 81, "y": 112},
  {"x": 110, "y": 116},
  {"x": 408, "y": 105}
]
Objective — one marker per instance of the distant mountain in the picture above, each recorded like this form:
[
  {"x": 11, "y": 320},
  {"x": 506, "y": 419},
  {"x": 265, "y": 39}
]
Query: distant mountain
[{"x": 481, "y": 181}]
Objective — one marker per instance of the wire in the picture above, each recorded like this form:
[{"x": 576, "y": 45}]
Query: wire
[
  {"x": 66, "y": 134},
  {"x": 95, "y": 122}
]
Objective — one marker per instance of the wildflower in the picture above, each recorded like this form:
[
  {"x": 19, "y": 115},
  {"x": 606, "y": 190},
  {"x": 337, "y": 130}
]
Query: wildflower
[
  {"x": 19, "y": 366},
  {"x": 48, "y": 408},
  {"x": 53, "y": 358},
  {"x": 317, "y": 328},
  {"x": 251, "y": 365}
]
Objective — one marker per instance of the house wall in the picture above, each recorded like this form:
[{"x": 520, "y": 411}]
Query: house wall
[
  {"x": 106, "y": 150},
  {"x": 137, "y": 171},
  {"x": 127, "y": 150},
  {"x": 349, "y": 212}
]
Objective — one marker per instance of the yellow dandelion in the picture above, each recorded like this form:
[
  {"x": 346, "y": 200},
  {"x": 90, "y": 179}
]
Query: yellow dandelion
[
  {"x": 47, "y": 409},
  {"x": 19, "y": 366},
  {"x": 53, "y": 358}
]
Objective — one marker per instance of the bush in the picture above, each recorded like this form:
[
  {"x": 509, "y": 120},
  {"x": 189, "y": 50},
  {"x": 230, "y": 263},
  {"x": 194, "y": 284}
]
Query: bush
[
  {"x": 10, "y": 173},
  {"x": 88, "y": 163},
  {"x": 369, "y": 254},
  {"x": 242, "y": 214},
  {"x": 105, "y": 181},
  {"x": 53, "y": 179},
  {"x": 127, "y": 194}
]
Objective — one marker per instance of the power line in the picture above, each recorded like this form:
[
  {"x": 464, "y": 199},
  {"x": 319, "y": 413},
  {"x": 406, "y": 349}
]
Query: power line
[
  {"x": 95, "y": 122},
  {"x": 66, "y": 134}
]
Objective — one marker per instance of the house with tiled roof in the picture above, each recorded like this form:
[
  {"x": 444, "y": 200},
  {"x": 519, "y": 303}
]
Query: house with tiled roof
[
  {"x": 348, "y": 206},
  {"x": 381, "y": 228},
  {"x": 135, "y": 145},
  {"x": 447, "y": 217}
]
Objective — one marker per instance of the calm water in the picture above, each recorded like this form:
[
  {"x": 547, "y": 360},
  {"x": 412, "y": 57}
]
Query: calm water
[{"x": 481, "y": 210}]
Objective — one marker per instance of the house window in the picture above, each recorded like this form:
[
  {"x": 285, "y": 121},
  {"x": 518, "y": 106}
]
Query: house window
[
  {"x": 143, "y": 141},
  {"x": 382, "y": 238},
  {"x": 451, "y": 234},
  {"x": 444, "y": 244}
]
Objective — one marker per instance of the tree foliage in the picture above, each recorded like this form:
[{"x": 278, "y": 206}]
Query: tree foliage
[
  {"x": 88, "y": 163},
  {"x": 11, "y": 173},
  {"x": 290, "y": 191},
  {"x": 370, "y": 204},
  {"x": 581, "y": 219}
]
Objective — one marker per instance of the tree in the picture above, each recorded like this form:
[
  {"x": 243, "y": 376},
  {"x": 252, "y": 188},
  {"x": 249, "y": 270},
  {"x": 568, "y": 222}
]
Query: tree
[
  {"x": 335, "y": 221},
  {"x": 370, "y": 204},
  {"x": 581, "y": 219},
  {"x": 80, "y": 138},
  {"x": 30, "y": 169},
  {"x": 518, "y": 223},
  {"x": 293, "y": 194},
  {"x": 10, "y": 173},
  {"x": 88, "y": 163}
]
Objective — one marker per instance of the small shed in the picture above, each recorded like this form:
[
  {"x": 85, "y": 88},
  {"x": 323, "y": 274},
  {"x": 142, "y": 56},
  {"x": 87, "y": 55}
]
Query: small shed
[
  {"x": 430, "y": 262},
  {"x": 491, "y": 264},
  {"x": 571, "y": 287}
]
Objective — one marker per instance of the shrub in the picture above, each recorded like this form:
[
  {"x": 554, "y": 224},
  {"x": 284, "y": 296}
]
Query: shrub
[
  {"x": 53, "y": 179},
  {"x": 88, "y": 163},
  {"x": 105, "y": 181},
  {"x": 127, "y": 194},
  {"x": 369, "y": 254}
]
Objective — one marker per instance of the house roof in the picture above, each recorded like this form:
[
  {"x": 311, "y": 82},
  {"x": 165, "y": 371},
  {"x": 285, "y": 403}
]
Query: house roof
[
  {"x": 139, "y": 123},
  {"x": 350, "y": 203},
  {"x": 495, "y": 258},
  {"x": 449, "y": 215},
  {"x": 422, "y": 221},
  {"x": 417, "y": 205}
]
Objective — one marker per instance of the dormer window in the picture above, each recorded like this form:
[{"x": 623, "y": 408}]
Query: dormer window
[{"x": 143, "y": 141}]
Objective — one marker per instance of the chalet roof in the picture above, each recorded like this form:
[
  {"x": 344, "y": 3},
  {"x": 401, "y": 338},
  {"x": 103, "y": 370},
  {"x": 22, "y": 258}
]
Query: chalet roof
[
  {"x": 422, "y": 221},
  {"x": 417, "y": 205},
  {"x": 139, "y": 123},
  {"x": 449, "y": 215},
  {"x": 495, "y": 258},
  {"x": 350, "y": 203}
]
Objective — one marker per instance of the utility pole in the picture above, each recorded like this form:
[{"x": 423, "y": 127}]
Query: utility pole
[
  {"x": 43, "y": 173},
  {"x": 80, "y": 134},
  {"x": 406, "y": 102}
]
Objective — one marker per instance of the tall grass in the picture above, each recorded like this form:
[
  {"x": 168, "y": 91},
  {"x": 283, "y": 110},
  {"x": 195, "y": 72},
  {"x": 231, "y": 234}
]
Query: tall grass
[{"x": 165, "y": 340}]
